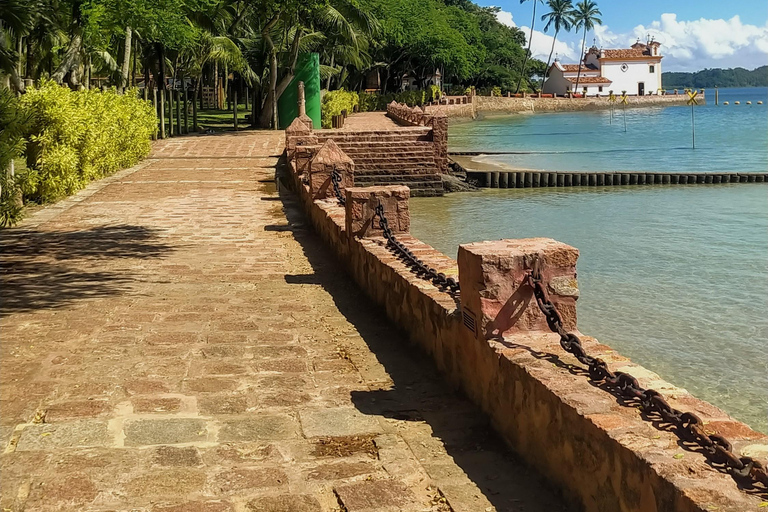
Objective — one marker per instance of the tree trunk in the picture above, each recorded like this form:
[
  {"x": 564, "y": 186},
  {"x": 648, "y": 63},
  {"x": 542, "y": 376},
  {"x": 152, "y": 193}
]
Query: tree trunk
[
  {"x": 133, "y": 66},
  {"x": 330, "y": 75},
  {"x": 549, "y": 59},
  {"x": 581, "y": 57},
  {"x": 161, "y": 67},
  {"x": 126, "y": 59},
  {"x": 71, "y": 60},
  {"x": 528, "y": 52},
  {"x": 273, "y": 88}
]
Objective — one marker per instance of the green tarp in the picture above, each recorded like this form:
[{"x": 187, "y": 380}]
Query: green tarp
[{"x": 307, "y": 71}]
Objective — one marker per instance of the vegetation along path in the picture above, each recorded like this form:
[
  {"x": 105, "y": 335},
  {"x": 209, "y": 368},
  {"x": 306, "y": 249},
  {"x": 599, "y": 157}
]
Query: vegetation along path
[{"x": 174, "y": 338}]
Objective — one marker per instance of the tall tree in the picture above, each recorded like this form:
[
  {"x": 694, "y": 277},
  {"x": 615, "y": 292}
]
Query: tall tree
[
  {"x": 560, "y": 16},
  {"x": 586, "y": 15},
  {"x": 530, "y": 39}
]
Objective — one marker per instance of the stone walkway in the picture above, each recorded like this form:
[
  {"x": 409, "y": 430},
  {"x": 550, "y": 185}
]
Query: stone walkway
[{"x": 175, "y": 339}]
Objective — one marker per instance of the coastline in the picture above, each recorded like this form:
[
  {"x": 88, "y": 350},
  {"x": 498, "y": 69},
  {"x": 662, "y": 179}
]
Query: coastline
[{"x": 499, "y": 105}]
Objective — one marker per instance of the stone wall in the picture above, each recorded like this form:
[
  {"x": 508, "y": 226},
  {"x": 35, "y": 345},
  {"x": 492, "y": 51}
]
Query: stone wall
[
  {"x": 436, "y": 119},
  {"x": 492, "y": 342},
  {"x": 504, "y": 105}
]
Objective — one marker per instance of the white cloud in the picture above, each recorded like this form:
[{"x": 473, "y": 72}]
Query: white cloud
[
  {"x": 541, "y": 43},
  {"x": 698, "y": 44},
  {"x": 505, "y": 18}
]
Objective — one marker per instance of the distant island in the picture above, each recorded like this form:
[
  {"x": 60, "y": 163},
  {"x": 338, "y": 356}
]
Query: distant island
[{"x": 708, "y": 78}]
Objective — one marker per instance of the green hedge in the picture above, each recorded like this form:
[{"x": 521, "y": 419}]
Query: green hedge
[
  {"x": 334, "y": 102},
  {"x": 13, "y": 124},
  {"x": 77, "y": 137}
]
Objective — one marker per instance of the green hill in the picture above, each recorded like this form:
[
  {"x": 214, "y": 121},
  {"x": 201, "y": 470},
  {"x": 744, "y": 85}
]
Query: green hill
[{"x": 708, "y": 78}]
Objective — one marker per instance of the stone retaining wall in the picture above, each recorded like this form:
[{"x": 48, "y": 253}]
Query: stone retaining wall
[
  {"x": 504, "y": 105},
  {"x": 492, "y": 342}
]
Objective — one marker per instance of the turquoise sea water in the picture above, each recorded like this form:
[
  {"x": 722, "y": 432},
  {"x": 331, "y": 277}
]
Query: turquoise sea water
[
  {"x": 675, "y": 277},
  {"x": 729, "y": 138}
]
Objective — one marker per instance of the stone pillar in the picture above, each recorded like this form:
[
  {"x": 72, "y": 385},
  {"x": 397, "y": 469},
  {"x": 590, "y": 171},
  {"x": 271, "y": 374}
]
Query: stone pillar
[
  {"x": 303, "y": 155},
  {"x": 297, "y": 134},
  {"x": 494, "y": 291},
  {"x": 440, "y": 140},
  {"x": 361, "y": 204},
  {"x": 302, "y": 103},
  {"x": 329, "y": 158}
]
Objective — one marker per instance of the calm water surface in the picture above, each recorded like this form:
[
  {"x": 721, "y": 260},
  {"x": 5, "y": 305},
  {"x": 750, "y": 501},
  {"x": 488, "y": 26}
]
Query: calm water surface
[
  {"x": 674, "y": 277},
  {"x": 729, "y": 138}
]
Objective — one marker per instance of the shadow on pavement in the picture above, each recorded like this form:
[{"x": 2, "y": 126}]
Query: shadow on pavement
[
  {"x": 48, "y": 269},
  {"x": 419, "y": 394}
]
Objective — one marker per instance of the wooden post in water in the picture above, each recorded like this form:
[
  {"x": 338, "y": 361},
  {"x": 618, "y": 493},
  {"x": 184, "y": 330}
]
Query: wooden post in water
[{"x": 717, "y": 97}]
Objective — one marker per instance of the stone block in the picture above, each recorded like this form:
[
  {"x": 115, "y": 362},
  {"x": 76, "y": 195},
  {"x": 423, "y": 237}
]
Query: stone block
[
  {"x": 257, "y": 428},
  {"x": 494, "y": 288},
  {"x": 335, "y": 422},
  {"x": 284, "y": 503},
  {"x": 166, "y": 431},
  {"x": 329, "y": 158},
  {"x": 361, "y": 205},
  {"x": 377, "y": 495},
  {"x": 64, "y": 435},
  {"x": 302, "y": 156}
]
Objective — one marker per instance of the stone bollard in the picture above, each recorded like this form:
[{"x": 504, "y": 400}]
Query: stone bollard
[
  {"x": 329, "y": 158},
  {"x": 301, "y": 101},
  {"x": 302, "y": 156},
  {"x": 440, "y": 140},
  {"x": 298, "y": 134},
  {"x": 495, "y": 294},
  {"x": 361, "y": 204}
]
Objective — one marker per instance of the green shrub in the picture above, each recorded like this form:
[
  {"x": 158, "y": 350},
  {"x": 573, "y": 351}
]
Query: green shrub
[
  {"x": 76, "y": 137},
  {"x": 334, "y": 102},
  {"x": 13, "y": 124},
  {"x": 496, "y": 91}
]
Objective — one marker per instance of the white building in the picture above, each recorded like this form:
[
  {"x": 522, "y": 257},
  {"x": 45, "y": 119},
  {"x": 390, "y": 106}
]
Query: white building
[{"x": 636, "y": 70}]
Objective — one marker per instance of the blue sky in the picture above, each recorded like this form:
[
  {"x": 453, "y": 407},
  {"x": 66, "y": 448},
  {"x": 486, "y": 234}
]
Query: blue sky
[{"x": 694, "y": 34}]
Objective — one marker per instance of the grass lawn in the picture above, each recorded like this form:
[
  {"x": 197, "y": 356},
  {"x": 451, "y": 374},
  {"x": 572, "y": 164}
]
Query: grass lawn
[{"x": 220, "y": 120}]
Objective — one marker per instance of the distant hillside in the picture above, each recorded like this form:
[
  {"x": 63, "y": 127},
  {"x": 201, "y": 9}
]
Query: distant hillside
[{"x": 708, "y": 78}]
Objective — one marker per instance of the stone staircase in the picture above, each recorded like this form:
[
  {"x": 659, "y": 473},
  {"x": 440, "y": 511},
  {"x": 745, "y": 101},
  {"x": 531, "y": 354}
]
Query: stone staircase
[{"x": 391, "y": 157}]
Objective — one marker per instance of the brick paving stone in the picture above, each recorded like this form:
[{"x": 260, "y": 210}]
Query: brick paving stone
[
  {"x": 259, "y": 427},
  {"x": 192, "y": 347},
  {"x": 376, "y": 495},
  {"x": 165, "y": 431},
  {"x": 284, "y": 503},
  {"x": 64, "y": 435},
  {"x": 340, "y": 421}
]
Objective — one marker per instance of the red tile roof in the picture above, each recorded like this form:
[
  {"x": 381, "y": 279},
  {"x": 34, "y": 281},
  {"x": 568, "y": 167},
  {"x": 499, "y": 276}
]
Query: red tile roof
[
  {"x": 574, "y": 68},
  {"x": 590, "y": 80},
  {"x": 631, "y": 53}
]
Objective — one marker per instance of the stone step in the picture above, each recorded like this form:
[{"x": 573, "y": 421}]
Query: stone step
[
  {"x": 372, "y": 163},
  {"x": 431, "y": 180},
  {"x": 386, "y": 144},
  {"x": 395, "y": 170},
  {"x": 376, "y": 137}
]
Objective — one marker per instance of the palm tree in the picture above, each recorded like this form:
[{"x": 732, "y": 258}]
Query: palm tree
[
  {"x": 530, "y": 38},
  {"x": 585, "y": 15},
  {"x": 560, "y": 16}
]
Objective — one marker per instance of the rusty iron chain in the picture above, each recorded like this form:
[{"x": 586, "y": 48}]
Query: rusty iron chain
[
  {"x": 444, "y": 283},
  {"x": 336, "y": 181},
  {"x": 688, "y": 426}
]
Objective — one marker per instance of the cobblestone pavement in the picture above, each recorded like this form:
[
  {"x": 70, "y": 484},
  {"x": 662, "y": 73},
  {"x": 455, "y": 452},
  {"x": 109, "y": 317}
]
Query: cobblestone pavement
[{"x": 171, "y": 342}]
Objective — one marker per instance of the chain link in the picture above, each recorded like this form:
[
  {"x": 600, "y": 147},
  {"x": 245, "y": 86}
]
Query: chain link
[
  {"x": 689, "y": 427},
  {"x": 447, "y": 284},
  {"x": 336, "y": 181}
]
